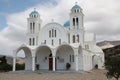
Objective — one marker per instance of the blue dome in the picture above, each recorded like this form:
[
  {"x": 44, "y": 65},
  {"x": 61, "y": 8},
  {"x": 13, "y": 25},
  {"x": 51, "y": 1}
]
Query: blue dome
[
  {"x": 67, "y": 24},
  {"x": 76, "y": 7},
  {"x": 34, "y": 12}
]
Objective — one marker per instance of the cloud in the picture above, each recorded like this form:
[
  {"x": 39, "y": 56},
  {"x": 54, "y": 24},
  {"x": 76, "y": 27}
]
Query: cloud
[{"x": 101, "y": 17}]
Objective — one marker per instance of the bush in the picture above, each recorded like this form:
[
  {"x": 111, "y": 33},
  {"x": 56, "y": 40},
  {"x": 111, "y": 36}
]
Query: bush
[
  {"x": 4, "y": 66},
  {"x": 20, "y": 66},
  {"x": 68, "y": 65}
]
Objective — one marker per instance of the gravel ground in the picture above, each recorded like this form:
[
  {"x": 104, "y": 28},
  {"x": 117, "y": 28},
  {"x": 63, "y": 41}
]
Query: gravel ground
[{"x": 92, "y": 75}]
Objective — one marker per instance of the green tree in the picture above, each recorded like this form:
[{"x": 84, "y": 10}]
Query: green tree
[
  {"x": 4, "y": 66},
  {"x": 112, "y": 65}
]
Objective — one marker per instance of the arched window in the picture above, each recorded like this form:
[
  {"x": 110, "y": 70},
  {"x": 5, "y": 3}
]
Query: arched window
[
  {"x": 34, "y": 16},
  {"x": 33, "y": 41},
  {"x": 77, "y": 38},
  {"x": 50, "y": 33},
  {"x": 29, "y": 41},
  {"x": 45, "y": 42},
  {"x": 59, "y": 41},
  {"x": 33, "y": 27},
  {"x": 52, "y": 42},
  {"x": 75, "y": 10},
  {"x": 55, "y": 33},
  {"x": 77, "y": 21},
  {"x": 73, "y": 21},
  {"x": 73, "y": 38},
  {"x": 30, "y": 27}
]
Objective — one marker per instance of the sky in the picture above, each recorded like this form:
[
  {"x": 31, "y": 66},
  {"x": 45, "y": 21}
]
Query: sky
[{"x": 101, "y": 17}]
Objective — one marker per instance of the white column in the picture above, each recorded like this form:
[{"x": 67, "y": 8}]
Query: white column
[
  {"x": 33, "y": 59},
  {"x": 53, "y": 53},
  {"x": 76, "y": 59},
  {"x": 14, "y": 63},
  {"x": 53, "y": 63},
  {"x": 76, "y": 62},
  {"x": 33, "y": 63}
]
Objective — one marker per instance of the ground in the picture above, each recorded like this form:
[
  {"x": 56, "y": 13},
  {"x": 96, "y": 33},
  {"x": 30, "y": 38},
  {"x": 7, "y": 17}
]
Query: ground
[{"x": 92, "y": 75}]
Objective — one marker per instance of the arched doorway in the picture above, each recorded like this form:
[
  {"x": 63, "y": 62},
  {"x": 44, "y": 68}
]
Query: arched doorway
[
  {"x": 94, "y": 61},
  {"x": 65, "y": 55},
  {"x": 44, "y": 58},
  {"x": 27, "y": 57}
]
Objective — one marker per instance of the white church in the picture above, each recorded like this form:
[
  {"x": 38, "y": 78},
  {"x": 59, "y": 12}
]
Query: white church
[{"x": 53, "y": 46}]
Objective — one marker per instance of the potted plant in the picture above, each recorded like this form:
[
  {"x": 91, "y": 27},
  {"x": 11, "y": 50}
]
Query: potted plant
[{"x": 68, "y": 65}]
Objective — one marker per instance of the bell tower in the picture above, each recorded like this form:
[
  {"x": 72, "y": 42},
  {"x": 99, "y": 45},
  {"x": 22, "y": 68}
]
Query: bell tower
[
  {"x": 76, "y": 25},
  {"x": 34, "y": 27},
  {"x": 76, "y": 17}
]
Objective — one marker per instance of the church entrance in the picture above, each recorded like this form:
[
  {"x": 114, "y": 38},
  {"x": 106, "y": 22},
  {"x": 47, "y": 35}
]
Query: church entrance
[
  {"x": 50, "y": 62},
  {"x": 44, "y": 58}
]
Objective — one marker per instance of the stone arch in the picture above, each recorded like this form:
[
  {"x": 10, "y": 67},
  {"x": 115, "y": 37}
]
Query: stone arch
[
  {"x": 43, "y": 57},
  {"x": 64, "y": 55},
  {"x": 28, "y": 56}
]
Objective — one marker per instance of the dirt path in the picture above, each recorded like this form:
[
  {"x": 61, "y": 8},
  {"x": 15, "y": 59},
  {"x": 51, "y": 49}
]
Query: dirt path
[{"x": 93, "y": 75}]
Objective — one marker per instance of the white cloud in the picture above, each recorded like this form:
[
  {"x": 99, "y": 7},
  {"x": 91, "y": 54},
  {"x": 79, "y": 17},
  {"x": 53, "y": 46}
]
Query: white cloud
[{"x": 101, "y": 17}]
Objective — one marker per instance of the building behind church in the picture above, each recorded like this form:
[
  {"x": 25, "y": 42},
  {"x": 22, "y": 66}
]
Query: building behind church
[{"x": 53, "y": 46}]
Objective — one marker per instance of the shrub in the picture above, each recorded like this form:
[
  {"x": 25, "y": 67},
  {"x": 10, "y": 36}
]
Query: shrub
[
  {"x": 68, "y": 65},
  {"x": 20, "y": 66}
]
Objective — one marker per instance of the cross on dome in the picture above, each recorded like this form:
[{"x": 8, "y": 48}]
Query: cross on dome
[
  {"x": 76, "y": 3},
  {"x": 34, "y": 9},
  {"x": 76, "y": 6},
  {"x": 34, "y": 12}
]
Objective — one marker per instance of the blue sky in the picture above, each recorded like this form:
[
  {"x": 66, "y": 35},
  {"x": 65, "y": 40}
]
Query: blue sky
[{"x": 12, "y": 6}]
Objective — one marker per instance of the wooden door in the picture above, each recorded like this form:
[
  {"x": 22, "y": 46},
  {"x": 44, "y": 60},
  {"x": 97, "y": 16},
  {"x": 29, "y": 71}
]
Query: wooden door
[{"x": 50, "y": 63}]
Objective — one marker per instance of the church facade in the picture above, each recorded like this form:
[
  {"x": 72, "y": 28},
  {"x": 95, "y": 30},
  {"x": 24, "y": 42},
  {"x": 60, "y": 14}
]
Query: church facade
[{"x": 55, "y": 46}]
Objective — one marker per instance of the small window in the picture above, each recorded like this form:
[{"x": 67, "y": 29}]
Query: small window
[
  {"x": 73, "y": 21},
  {"x": 55, "y": 33},
  {"x": 34, "y": 16},
  {"x": 59, "y": 41},
  {"x": 30, "y": 27},
  {"x": 52, "y": 42},
  {"x": 33, "y": 27},
  {"x": 29, "y": 41},
  {"x": 78, "y": 38},
  {"x": 33, "y": 41},
  {"x": 75, "y": 11},
  {"x": 45, "y": 42},
  {"x": 73, "y": 38},
  {"x": 50, "y": 33},
  {"x": 77, "y": 21}
]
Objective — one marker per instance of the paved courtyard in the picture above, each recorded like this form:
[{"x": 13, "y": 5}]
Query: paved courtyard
[{"x": 92, "y": 75}]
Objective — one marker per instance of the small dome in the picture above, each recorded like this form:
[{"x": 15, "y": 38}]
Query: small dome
[
  {"x": 34, "y": 12},
  {"x": 67, "y": 24},
  {"x": 76, "y": 7}
]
